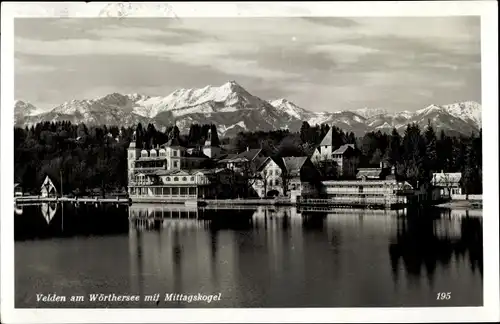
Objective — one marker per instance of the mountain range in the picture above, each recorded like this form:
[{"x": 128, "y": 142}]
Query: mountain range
[{"x": 233, "y": 109}]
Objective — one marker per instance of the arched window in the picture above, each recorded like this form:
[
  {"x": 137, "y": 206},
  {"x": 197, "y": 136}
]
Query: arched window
[
  {"x": 192, "y": 178},
  {"x": 184, "y": 179},
  {"x": 176, "y": 179},
  {"x": 152, "y": 153},
  {"x": 162, "y": 152},
  {"x": 144, "y": 153},
  {"x": 168, "y": 178}
]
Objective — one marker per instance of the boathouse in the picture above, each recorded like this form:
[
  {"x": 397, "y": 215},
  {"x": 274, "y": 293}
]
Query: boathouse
[
  {"x": 18, "y": 189},
  {"x": 386, "y": 193},
  {"x": 48, "y": 189},
  {"x": 449, "y": 184}
]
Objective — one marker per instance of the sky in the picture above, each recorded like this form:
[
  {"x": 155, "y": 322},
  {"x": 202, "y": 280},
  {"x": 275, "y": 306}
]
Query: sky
[{"x": 320, "y": 64}]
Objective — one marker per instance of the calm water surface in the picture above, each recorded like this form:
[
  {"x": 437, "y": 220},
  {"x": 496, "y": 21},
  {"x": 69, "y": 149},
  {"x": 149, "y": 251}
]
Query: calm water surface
[{"x": 255, "y": 257}]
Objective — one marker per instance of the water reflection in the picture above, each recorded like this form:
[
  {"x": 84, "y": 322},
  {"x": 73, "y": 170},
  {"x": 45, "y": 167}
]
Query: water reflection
[
  {"x": 254, "y": 256},
  {"x": 424, "y": 243},
  {"x": 49, "y": 220}
]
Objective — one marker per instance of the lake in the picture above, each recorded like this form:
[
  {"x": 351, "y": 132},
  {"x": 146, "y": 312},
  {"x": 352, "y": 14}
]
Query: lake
[{"x": 249, "y": 257}]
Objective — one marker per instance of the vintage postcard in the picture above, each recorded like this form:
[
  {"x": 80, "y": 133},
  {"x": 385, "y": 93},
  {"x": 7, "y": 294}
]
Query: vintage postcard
[{"x": 249, "y": 162}]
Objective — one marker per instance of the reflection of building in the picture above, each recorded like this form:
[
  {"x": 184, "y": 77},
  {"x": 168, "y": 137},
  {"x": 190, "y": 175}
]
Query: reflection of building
[
  {"x": 48, "y": 188},
  {"x": 448, "y": 183},
  {"x": 48, "y": 211}
]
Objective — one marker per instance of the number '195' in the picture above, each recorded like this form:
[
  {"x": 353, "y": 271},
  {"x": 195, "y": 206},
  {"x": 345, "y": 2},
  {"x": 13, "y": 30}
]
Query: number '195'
[{"x": 443, "y": 296}]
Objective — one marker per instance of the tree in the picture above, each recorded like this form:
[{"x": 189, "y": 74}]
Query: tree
[
  {"x": 328, "y": 169},
  {"x": 304, "y": 132},
  {"x": 264, "y": 177},
  {"x": 376, "y": 157},
  {"x": 215, "y": 136},
  {"x": 285, "y": 181},
  {"x": 431, "y": 158},
  {"x": 394, "y": 149}
]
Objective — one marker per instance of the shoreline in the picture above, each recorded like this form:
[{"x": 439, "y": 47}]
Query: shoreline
[{"x": 462, "y": 204}]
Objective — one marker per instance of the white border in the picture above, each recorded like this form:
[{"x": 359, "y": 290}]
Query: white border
[{"x": 488, "y": 11}]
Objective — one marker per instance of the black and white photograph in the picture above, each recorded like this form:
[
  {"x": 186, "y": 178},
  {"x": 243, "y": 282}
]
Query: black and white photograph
[{"x": 271, "y": 157}]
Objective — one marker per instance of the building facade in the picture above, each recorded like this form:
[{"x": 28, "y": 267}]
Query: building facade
[
  {"x": 449, "y": 184},
  {"x": 287, "y": 176},
  {"x": 48, "y": 189},
  {"x": 173, "y": 171},
  {"x": 344, "y": 158},
  {"x": 376, "y": 192},
  {"x": 269, "y": 179}
]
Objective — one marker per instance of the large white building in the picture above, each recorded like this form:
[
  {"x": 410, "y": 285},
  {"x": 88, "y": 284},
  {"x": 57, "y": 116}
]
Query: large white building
[{"x": 173, "y": 171}]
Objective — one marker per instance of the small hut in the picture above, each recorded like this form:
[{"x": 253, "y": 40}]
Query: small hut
[
  {"x": 18, "y": 189},
  {"x": 48, "y": 188}
]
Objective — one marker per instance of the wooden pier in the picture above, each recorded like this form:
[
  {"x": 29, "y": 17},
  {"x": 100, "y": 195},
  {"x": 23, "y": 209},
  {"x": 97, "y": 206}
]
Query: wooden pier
[
  {"x": 37, "y": 200},
  {"x": 328, "y": 204}
]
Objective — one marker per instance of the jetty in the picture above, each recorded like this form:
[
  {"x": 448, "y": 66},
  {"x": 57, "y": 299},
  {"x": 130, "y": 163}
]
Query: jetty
[{"x": 24, "y": 200}]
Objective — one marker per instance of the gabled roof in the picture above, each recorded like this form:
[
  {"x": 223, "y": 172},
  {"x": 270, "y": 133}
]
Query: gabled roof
[
  {"x": 342, "y": 149},
  {"x": 328, "y": 139},
  {"x": 265, "y": 161},
  {"x": 369, "y": 173},
  {"x": 248, "y": 155},
  {"x": 51, "y": 182},
  {"x": 173, "y": 142},
  {"x": 293, "y": 164},
  {"x": 446, "y": 179}
]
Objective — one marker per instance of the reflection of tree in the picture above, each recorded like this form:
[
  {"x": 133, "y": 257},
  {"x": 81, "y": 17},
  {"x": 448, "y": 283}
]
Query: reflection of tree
[{"x": 416, "y": 245}]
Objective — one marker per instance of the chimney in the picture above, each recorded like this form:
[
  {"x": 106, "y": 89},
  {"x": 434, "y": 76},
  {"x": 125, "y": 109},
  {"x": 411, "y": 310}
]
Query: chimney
[{"x": 248, "y": 149}]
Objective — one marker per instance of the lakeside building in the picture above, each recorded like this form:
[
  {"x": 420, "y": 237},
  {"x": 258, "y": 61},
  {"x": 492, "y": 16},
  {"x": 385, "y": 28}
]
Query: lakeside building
[
  {"x": 374, "y": 186},
  {"x": 48, "y": 189},
  {"x": 173, "y": 171},
  {"x": 449, "y": 184},
  {"x": 18, "y": 189},
  {"x": 345, "y": 158},
  {"x": 367, "y": 192},
  {"x": 294, "y": 176},
  {"x": 245, "y": 162}
]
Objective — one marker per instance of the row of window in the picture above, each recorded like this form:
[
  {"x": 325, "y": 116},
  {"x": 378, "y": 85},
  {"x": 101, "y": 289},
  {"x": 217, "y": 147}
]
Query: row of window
[
  {"x": 153, "y": 153},
  {"x": 270, "y": 172},
  {"x": 272, "y": 182},
  {"x": 177, "y": 179}
]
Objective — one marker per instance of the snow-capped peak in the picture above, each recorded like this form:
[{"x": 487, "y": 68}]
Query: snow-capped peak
[
  {"x": 370, "y": 112},
  {"x": 429, "y": 109},
  {"x": 290, "y": 108},
  {"x": 24, "y": 108},
  {"x": 467, "y": 111}
]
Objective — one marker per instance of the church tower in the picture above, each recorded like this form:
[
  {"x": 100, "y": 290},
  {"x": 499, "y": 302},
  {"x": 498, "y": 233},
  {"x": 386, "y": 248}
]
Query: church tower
[
  {"x": 209, "y": 149},
  {"x": 132, "y": 155}
]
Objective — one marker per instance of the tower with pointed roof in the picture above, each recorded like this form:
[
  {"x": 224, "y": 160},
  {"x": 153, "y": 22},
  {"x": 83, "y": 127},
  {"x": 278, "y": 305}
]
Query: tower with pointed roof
[
  {"x": 325, "y": 149},
  {"x": 133, "y": 153},
  {"x": 210, "y": 149}
]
